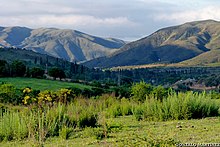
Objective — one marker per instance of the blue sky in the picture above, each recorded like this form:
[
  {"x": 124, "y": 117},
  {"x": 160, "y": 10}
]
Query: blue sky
[{"x": 125, "y": 19}]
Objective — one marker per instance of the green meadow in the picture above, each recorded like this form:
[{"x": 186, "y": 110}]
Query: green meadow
[{"x": 41, "y": 84}]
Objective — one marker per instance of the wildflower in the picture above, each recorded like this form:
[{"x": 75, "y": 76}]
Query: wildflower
[
  {"x": 27, "y": 90},
  {"x": 24, "y": 101},
  {"x": 49, "y": 98},
  {"x": 27, "y": 97}
]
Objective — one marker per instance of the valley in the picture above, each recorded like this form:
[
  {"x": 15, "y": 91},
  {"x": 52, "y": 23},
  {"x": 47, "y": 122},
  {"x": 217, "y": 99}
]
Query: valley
[{"x": 61, "y": 87}]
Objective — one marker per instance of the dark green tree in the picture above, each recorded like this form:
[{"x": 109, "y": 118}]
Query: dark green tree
[
  {"x": 37, "y": 72},
  {"x": 27, "y": 74},
  {"x": 57, "y": 73},
  {"x": 4, "y": 70},
  {"x": 18, "y": 68}
]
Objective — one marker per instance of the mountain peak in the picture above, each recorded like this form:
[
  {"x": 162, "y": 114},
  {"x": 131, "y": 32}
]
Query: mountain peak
[
  {"x": 168, "y": 45},
  {"x": 208, "y": 21},
  {"x": 68, "y": 44}
]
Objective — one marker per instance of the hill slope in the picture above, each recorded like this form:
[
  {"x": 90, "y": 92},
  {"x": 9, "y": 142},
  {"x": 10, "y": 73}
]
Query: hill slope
[
  {"x": 63, "y": 43},
  {"x": 209, "y": 58},
  {"x": 33, "y": 59},
  {"x": 168, "y": 45}
]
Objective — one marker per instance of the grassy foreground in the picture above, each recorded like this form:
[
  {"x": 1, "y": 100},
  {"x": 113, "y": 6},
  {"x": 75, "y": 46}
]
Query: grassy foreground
[
  {"x": 127, "y": 131},
  {"x": 41, "y": 84},
  {"x": 61, "y": 118}
]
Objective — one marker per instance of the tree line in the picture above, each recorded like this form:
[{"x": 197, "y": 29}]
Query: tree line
[{"x": 19, "y": 69}]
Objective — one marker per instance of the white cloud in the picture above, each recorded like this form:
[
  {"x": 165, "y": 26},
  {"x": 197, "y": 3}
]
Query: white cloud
[
  {"x": 115, "y": 18},
  {"x": 66, "y": 21},
  {"x": 209, "y": 12}
]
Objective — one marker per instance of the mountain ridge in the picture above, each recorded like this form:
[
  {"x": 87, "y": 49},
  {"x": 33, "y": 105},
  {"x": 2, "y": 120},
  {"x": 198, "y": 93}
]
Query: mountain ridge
[
  {"x": 167, "y": 45},
  {"x": 68, "y": 44}
]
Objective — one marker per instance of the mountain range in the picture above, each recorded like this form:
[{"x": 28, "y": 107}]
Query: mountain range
[
  {"x": 67, "y": 44},
  {"x": 190, "y": 44}
]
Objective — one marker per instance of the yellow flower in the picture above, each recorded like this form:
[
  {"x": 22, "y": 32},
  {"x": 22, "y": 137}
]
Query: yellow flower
[
  {"x": 24, "y": 101},
  {"x": 26, "y": 97},
  {"x": 49, "y": 98},
  {"x": 27, "y": 90}
]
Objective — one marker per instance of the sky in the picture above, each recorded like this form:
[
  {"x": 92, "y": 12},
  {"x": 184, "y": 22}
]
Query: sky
[{"x": 124, "y": 19}]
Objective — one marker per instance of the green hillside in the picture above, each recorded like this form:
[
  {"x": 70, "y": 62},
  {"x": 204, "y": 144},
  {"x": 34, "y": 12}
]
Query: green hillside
[
  {"x": 29, "y": 57},
  {"x": 210, "y": 58},
  {"x": 67, "y": 44},
  {"x": 168, "y": 45}
]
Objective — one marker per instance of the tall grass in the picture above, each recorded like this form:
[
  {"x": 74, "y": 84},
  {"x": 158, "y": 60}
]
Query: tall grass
[
  {"x": 39, "y": 123},
  {"x": 178, "y": 106},
  {"x": 12, "y": 126}
]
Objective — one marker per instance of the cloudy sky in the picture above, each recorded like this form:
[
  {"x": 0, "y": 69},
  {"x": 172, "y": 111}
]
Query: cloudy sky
[{"x": 125, "y": 19}]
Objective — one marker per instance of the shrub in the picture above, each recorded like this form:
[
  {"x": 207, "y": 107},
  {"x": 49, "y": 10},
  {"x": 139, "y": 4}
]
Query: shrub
[
  {"x": 9, "y": 94},
  {"x": 178, "y": 106},
  {"x": 122, "y": 91},
  {"x": 140, "y": 90},
  {"x": 64, "y": 95},
  {"x": 159, "y": 92}
]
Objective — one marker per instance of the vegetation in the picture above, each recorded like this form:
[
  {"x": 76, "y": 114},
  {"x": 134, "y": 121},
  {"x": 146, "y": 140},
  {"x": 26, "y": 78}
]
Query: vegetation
[
  {"x": 41, "y": 84},
  {"x": 126, "y": 131},
  {"x": 18, "y": 68},
  {"x": 39, "y": 66},
  {"x": 37, "y": 72},
  {"x": 36, "y": 111},
  {"x": 41, "y": 116},
  {"x": 57, "y": 73}
]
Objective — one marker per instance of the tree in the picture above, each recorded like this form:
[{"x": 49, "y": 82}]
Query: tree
[
  {"x": 213, "y": 80},
  {"x": 3, "y": 68},
  {"x": 141, "y": 90},
  {"x": 18, "y": 68},
  {"x": 160, "y": 92},
  {"x": 57, "y": 73},
  {"x": 37, "y": 72}
]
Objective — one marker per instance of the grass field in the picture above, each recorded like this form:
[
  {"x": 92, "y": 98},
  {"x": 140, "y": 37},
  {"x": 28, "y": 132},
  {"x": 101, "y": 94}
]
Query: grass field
[
  {"x": 127, "y": 131},
  {"x": 107, "y": 120},
  {"x": 41, "y": 84}
]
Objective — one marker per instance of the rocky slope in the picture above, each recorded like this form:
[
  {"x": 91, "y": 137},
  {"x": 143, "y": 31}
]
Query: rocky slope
[
  {"x": 62, "y": 43},
  {"x": 168, "y": 45}
]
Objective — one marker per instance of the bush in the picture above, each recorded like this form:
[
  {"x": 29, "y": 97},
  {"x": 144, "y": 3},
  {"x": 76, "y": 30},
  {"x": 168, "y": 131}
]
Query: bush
[
  {"x": 32, "y": 97},
  {"x": 9, "y": 94},
  {"x": 122, "y": 91},
  {"x": 159, "y": 92},
  {"x": 178, "y": 106},
  {"x": 140, "y": 90}
]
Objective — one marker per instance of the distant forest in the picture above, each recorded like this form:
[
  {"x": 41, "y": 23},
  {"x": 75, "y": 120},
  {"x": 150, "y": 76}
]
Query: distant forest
[{"x": 25, "y": 63}]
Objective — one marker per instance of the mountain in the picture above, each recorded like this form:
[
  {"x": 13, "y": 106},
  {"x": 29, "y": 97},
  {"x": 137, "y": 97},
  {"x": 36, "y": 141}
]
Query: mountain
[
  {"x": 210, "y": 58},
  {"x": 68, "y": 44},
  {"x": 168, "y": 45},
  {"x": 30, "y": 58}
]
